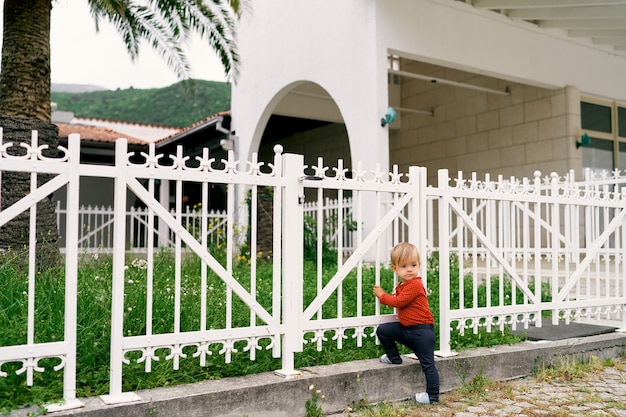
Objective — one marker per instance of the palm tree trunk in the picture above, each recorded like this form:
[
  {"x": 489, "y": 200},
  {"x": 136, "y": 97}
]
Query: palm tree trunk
[
  {"x": 25, "y": 106},
  {"x": 16, "y": 185},
  {"x": 25, "y": 73}
]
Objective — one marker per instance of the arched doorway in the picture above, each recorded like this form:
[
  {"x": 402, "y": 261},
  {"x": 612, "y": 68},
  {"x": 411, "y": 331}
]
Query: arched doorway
[{"x": 305, "y": 120}]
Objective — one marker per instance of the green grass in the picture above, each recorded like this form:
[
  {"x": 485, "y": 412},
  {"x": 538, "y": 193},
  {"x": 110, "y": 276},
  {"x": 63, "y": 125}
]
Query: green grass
[{"x": 94, "y": 323}]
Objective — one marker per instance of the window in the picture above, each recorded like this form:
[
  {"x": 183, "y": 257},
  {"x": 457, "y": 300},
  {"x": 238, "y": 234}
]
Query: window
[
  {"x": 621, "y": 121},
  {"x": 605, "y": 123},
  {"x": 598, "y": 155},
  {"x": 595, "y": 117}
]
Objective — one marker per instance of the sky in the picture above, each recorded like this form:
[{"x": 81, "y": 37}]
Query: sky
[{"x": 79, "y": 55}]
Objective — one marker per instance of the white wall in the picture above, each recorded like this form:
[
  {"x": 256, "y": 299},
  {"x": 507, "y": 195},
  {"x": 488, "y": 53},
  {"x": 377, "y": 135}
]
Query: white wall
[
  {"x": 454, "y": 34},
  {"x": 333, "y": 44},
  {"x": 341, "y": 46}
]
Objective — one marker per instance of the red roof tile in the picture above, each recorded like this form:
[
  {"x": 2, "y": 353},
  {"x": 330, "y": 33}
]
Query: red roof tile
[
  {"x": 96, "y": 134},
  {"x": 123, "y": 122}
]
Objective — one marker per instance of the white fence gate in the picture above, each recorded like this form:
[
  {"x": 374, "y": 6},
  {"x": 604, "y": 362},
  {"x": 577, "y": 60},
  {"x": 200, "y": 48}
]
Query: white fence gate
[
  {"x": 508, "y": 235},
  {"x": 517, "y": 236}
]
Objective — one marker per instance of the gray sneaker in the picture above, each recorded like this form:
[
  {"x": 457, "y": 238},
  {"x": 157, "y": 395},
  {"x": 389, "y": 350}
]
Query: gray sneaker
[
  {"x": 422, "y": 398},
  {"x": 385, "y": 359}
]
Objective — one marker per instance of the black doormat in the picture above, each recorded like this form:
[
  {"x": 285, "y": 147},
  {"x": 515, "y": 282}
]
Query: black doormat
[{"x": 549, "y": 331}]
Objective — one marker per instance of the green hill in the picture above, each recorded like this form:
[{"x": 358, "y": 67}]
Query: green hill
[{"x": 168, "y": 106}]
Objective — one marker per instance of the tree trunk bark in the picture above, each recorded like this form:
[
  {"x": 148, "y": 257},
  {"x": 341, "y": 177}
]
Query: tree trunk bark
[
  {"x": 25, "y": 74},
  {"x": 15, "y": 185},
  {"x": 24, "y": 107}
]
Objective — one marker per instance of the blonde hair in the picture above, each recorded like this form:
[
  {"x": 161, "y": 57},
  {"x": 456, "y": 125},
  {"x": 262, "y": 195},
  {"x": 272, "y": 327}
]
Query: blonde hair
[{"x": 403, "y": 251}]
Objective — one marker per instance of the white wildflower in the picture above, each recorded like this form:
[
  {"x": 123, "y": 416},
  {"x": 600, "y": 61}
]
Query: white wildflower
[{"x": 139, "y": 263}]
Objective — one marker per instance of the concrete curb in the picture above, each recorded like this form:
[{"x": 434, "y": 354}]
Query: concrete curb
[{"x": 269, "y": 395}]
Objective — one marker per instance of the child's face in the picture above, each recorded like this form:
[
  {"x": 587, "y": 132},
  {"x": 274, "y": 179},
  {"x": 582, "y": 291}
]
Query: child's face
[{"x": 407, "y": 269}]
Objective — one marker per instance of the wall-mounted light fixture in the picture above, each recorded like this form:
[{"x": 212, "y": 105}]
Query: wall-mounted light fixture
[
  {"x": 585, "y": 140},
  {"x": 227, "y": 144},
  {"x": 390, "y": 116}
]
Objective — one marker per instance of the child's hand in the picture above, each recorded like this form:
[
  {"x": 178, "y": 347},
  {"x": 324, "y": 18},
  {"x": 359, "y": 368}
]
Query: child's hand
[{"x": 378, "y": 291}]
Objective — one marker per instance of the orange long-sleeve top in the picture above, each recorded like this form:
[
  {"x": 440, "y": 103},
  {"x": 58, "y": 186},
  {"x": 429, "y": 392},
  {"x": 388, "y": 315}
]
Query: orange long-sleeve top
[{"x": 411, "y": 302}]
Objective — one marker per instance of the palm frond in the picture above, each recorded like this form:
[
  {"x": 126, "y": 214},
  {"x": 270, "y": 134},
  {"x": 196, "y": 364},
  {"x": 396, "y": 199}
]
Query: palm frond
[
  {"x": 212, "y": 21},
  {"x": 166, "y": 25},
  {"x": 163, "y": 39}
]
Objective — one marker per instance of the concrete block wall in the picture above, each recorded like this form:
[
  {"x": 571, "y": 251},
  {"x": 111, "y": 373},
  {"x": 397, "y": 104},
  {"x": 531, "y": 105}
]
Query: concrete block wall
[
  {"x": 530, "y": 129},
  {"x": 329, "y": 142}
]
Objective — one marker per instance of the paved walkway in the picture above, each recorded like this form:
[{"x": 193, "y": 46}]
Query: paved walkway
[{"x": 601, "y": 392}]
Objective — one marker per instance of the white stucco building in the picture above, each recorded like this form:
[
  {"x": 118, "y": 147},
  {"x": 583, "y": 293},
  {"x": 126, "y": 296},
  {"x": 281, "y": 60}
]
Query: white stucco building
[{"x": 479, "y": 85}]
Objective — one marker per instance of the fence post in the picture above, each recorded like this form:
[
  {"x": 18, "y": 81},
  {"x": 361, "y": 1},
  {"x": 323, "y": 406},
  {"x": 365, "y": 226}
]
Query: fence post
[
  {"x": 164, "y": 199},
  {"x": 293, "y": 252},
  {"x": 71, "y": 277},
  {"x": 555, "y": 231},
  {"x": 57, "y": 210},
  {"x": 417, "y": 217},
  {"x": 444, "y": 265},
  {"x": 117, "y": 293},
  {"x": 277, "y": 245}
]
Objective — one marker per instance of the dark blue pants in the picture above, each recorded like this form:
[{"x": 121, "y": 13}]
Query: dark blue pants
[{"x": 420, "y": 338}]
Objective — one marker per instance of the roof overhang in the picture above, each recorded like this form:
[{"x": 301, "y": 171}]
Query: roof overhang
[{"x": 599, "y": 22}]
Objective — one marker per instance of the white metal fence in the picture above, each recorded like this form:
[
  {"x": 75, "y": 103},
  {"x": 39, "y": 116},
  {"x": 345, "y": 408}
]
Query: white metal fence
[
  {"x": 96, "y": 228},
  {"x": 338, "y": 225},
  {"x": 506, "y": 238},
  {"x": 518, "y": 237}
]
